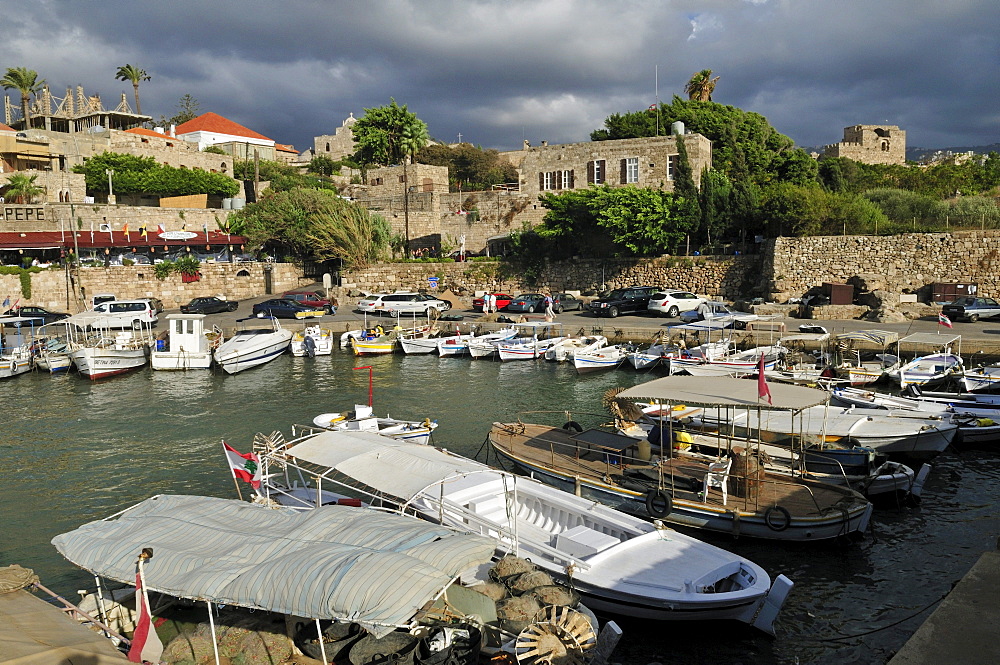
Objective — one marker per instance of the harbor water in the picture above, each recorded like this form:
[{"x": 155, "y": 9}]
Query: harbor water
[{"x": 75, "y": 451}]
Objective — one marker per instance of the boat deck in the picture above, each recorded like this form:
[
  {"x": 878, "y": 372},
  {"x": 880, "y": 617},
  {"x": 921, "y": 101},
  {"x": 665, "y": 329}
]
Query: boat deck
[{"x": 615, "y": 461}]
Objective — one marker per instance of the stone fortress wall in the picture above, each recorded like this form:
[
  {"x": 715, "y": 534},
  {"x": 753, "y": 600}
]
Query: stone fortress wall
[{"x": 871, "y": 144}]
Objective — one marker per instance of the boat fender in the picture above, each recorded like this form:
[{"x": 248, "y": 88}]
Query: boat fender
[
  {"x": 777, "y": 518},
  {"x": 573, "y": 425},
  {"x": 658, "y": 504},
  {"x": 13, "y": 365}
]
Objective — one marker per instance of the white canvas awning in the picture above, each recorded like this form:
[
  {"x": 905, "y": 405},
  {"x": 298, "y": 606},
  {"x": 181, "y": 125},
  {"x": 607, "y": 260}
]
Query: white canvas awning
[
  {"x": 335, "y": 562},
  {"x": 399, "y": 468},
  {"x": 724, "y": 391}
]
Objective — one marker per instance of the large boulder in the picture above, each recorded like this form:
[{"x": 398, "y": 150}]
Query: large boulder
[
  {"x": 878, "y": 299},
  {"x": 885, "y": 315},
  {"x": 867, "y": 282}
]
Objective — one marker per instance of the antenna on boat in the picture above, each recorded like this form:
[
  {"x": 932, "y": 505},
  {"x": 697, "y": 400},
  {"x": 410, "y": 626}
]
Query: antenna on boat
[{"x": 371, "y": 386}]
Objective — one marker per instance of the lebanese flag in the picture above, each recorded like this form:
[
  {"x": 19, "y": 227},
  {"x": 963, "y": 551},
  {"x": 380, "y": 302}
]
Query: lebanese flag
[
  {"x": 943, "y": 320},
  {"x": 245, "y": 467},
  {"x": 146, "y": 646},
  {"x": 762, "y": 389}
]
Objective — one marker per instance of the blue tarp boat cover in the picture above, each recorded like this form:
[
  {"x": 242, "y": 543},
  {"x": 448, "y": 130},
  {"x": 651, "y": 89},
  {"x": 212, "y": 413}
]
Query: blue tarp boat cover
[{"x": 334, "y": 562}]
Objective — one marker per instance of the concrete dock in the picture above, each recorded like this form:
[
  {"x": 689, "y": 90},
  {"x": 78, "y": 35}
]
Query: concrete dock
[{"x": 965, "y": 628}]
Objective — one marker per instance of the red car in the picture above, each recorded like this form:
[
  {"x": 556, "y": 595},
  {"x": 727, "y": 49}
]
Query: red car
[
  {"x": 502, "y": 301},
  {"x": 312, "y": 299}
]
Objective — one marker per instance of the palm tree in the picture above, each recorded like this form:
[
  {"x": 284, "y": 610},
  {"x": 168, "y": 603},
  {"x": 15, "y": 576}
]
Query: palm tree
[
  {"x": 135, "y": 75},
  {"x": 412, "y": 137},
  {"x": 26, "y": 82},
  {"x": 701, "y": 86},
  {"x": 22, "y": 188}
]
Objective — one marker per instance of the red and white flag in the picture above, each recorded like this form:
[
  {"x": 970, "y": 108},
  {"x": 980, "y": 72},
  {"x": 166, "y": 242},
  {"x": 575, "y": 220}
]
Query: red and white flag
[
  {"x": 943, "y": 320},
  {"x": 146, "y": 646},
  {"x": 762, "y": 389},
  {"x": 246, "y": 467}
]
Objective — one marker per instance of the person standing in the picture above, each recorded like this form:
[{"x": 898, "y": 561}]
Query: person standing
[{"x": 549, "y": 312}]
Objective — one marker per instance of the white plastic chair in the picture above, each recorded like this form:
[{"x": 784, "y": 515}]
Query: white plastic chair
[{"x": 718, "y": 477}]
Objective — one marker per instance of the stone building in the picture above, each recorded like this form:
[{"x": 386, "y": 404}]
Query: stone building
[
  {"x": 338, "y": 145},
  {"x": 871, "y": 144},
  {"x": 643, "y": 162},
  {"x": 211, "y": 129}
]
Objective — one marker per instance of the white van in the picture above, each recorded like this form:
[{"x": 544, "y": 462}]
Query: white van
[{"x": 128, "y": 313}]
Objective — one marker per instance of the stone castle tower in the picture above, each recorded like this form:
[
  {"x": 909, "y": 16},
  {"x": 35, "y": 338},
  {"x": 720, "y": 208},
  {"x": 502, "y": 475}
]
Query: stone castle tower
[
  {"x": 338, "y": 145},
  {"x": 871, "y": 144}
]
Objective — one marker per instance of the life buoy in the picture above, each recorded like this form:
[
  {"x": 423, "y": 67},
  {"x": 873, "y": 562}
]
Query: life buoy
[
  {"x": 779, "y": 524},
  {"x": 573, "y": 425},
  {"x": 658, "y": 504},
  {"x": 13, "y": 366}
]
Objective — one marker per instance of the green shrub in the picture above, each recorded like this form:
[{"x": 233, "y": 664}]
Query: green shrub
[{"x": 163, "y": 269}]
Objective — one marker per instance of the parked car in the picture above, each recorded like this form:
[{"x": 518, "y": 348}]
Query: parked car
[
  {"x": 527, "y": 302},
  {"x": 566, "y": 302},
  {"x": 502, "y": 301},
  {"x": 402, "y": 302},
  {"x": 102, "y": 297},
  {"x": 718, "y": 311},
  {"x": 283, "y": 308},
  {"x": 209, "y": 305},
  {"x": 670, "y": 302},
  {"x": 127, "y": 313},
  {"x": 156, "y": 303},
  {"x": 31, "y": 311},
  {"x": 623, "y": 301},
  {"x": 312, "y": 299},
  {"x": 971, "y": 309}
]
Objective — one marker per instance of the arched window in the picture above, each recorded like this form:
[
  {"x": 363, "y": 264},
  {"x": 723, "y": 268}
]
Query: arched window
[{"x": 243, "y": 273}]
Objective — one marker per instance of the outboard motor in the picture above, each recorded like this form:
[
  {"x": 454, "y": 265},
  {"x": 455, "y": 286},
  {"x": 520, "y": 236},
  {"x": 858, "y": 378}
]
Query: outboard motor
[{"x": 310, "y": 345}]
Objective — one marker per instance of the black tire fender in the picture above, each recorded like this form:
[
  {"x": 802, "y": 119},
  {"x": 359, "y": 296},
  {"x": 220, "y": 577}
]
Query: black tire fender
[
  {"x": 779, "y": 523},
  {"x": 573, "y": 425},
  {"x": 658, "y": 504}
]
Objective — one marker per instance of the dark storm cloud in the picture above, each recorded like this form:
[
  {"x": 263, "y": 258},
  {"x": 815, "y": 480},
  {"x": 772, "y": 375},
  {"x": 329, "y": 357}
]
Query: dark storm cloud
[{"x": 498, "y": 72}]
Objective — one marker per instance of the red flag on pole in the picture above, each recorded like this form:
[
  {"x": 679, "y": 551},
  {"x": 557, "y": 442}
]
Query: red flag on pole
[
  {"x": 944, "y": 320},
  {"x": 146, "y": 646},
  {"x": 245, "y": 466},
  {"x": 762, "y": 389}
]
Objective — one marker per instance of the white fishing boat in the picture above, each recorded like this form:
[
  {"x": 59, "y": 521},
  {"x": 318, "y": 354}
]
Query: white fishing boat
[
  {"x": 979, "y": 379},
  {"x": 566, "y": 349},
  {"x": 485, "y": 346},
  {"x": 259, "y": 340},
  {"x": 455, "y": 344},
  {"x": 653, "y": 355},
  {"x": 17, "y": 337},
  {"x": 313, "y": 340},
  {"x": 618, "y": 563},
  {"x": 533, "y": 340},
  {"x": 735, "y": 363},
  {"x": 99, "y": 351},
  {"x": 605, "y": 357},
  {"x": 363, "y": 419},
  {"x": 418, "y": 342},
  {"x": 187, "y": 346},
  {"x": 52, "y": 352},
  {"x": 932, "y": 369}
]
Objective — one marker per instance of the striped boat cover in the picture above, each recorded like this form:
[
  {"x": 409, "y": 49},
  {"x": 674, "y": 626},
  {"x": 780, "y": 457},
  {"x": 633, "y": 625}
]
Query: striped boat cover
[
  {"x": 881, "y": 338},
  {"x": 373, "y": 568}
]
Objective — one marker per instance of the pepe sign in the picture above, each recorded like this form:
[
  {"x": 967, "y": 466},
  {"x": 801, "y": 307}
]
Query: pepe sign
[
  {"x": 19, "y": 213},
  {"x": 177, "y": 235}
]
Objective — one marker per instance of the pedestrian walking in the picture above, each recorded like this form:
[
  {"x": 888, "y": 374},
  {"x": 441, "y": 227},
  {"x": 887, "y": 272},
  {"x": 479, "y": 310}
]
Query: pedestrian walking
[{"x": 549, "y": 312}]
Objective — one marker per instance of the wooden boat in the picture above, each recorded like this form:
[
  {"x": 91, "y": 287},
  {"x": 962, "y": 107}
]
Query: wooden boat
[
  {"x": 254, "y": 344},
  {"x": 863, "y": 372},
  {"x": 566, "y": 349},
  {"x": 533, "y": 340},
  {"x": 618, "y": 563},
  {"x": 606, "y": 357},
  {"x": 979, "y": 379},
  {"x": 98, "y": 351},
  {"x": 313, "y": 340},
  {"x": 610, "y": 468},
  {"x": 17, "y": 337},
  {"x": 187, "y": 346},
  {"x": 932, "y": 369},
  {"x": 363, "y": 419}
]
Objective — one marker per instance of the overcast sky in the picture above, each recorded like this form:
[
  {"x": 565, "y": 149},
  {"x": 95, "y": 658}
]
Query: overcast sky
[{"x": 499, "y": 72}]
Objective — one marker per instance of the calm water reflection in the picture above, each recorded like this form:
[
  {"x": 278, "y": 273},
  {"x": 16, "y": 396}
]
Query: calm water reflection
[{"x": 75, "y": 451}]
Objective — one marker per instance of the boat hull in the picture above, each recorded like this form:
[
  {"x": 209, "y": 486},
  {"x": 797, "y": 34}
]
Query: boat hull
[
  {"x": 165, "y": 360},
  {"x": 698, "y": 515},
  {"x": 240, "y": 353},
  {"x": 97, "y": 363}
]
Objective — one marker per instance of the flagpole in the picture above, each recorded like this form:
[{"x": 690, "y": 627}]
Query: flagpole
[{"x": 235, "y": 482}]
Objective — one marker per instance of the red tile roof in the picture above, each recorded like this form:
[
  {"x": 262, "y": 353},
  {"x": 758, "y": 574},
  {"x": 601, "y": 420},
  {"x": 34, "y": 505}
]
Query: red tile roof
[
  {"x": 215, "y": 123},
  {"x": 284, "y": 147},
  {"x": 101, "y": 239},
  {"x": 147, "y": 132},
  {"x": 5, "y": 128}
]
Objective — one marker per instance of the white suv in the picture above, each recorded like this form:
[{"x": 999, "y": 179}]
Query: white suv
[
  {"x": 670, "y": 302},
  {"x": 127, "y": 313},
  {"x": 402, "y": 302}
]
